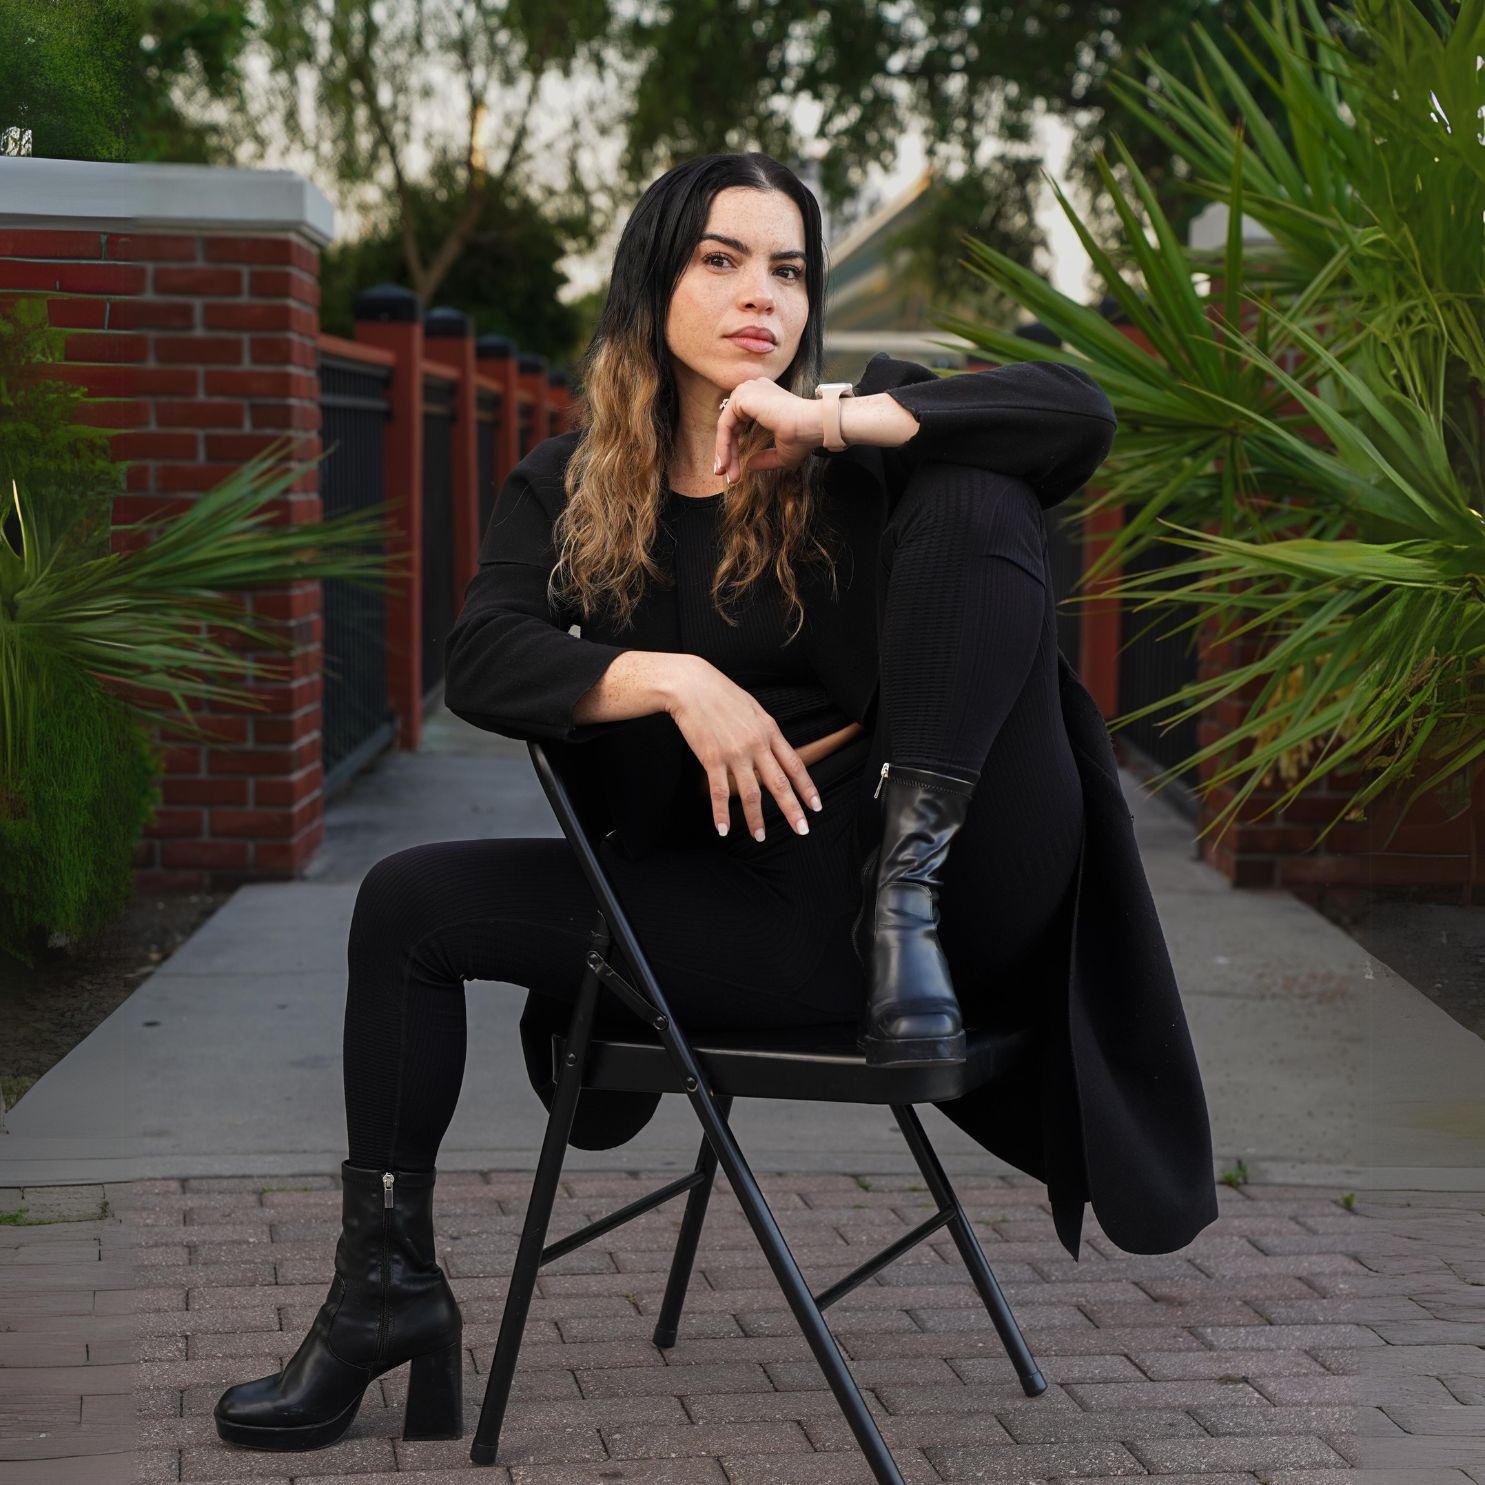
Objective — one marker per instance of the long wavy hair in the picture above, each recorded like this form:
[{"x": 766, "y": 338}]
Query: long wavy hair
[{"x": 618, "y": 476}]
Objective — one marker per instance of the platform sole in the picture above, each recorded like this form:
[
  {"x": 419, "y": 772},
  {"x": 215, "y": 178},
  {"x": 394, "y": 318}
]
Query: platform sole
[
  {"x": 302, "y": 1439},
  {"x": 929, "y": 1052}
]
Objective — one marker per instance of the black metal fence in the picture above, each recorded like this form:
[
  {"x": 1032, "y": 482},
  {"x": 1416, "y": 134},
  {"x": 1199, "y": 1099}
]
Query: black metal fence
[
  {"x": 357, "y": 722},
  {"x": 440, "y": 601},
  {"x": 1157, "y": 657}
]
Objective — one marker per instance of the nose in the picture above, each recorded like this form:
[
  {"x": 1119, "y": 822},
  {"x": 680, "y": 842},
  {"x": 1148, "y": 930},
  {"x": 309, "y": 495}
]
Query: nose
[{"x": 757, "y": 290}]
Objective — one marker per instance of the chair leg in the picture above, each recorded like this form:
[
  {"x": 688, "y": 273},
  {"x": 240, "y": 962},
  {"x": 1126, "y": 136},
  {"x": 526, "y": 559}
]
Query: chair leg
[
  {"x": 681, "y": 1263},
  {"x": 821, "y": 1343},
  {"x": 1033, "y": 1384},
  {"x": 538, "y": 1213}
]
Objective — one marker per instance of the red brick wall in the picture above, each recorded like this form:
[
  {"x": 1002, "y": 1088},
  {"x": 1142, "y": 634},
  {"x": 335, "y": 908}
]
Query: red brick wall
[{"x": 204, "y": 349}]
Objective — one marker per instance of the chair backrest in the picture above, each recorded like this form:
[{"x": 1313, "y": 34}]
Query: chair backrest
[{"x": 580, "y": 838}]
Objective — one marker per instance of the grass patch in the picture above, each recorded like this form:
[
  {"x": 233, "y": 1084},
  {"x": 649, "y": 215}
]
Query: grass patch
[
  {"x": 21, "y": 1218},
  {"x": 1237, "y": 1176},
  {"x": 13, "y": 1089}
]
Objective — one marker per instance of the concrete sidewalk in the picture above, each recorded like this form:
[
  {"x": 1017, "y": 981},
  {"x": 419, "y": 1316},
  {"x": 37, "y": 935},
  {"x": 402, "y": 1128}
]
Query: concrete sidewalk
[{"x": 1321, "y": 1065}]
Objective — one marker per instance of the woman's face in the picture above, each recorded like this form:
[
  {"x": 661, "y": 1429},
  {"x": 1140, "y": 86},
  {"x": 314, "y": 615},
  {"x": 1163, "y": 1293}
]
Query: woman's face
[{"x": 740, "y": 306}]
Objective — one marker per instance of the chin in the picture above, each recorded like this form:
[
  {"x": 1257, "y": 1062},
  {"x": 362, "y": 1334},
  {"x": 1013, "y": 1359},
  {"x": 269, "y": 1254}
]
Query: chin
[{"x": 734, "y": 374}]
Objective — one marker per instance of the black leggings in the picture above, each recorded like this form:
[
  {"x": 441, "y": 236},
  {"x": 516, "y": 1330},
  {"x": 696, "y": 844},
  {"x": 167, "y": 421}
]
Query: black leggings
[{"x": 745, "y": 934}]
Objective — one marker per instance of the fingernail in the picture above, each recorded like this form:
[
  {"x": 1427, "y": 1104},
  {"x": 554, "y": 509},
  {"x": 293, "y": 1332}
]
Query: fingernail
[
  {"x": 721, "y": 830},
  {"x": 815, "y": 802},
  {"x": 757, "y": 835},
  {"x": 716, "y": 466},
  {"x": 804, "y": 827}
]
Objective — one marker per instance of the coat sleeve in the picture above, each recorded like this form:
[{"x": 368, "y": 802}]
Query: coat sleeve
[
  {"x": 1041, "y": 422},
  {"x": 511, "y": 665}
]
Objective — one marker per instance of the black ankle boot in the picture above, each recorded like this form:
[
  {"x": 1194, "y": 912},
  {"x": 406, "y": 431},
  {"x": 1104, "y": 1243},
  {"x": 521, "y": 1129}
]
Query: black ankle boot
[
  {"x": 912, "y": 1015},
  {"x": 389, "y": 1303}
]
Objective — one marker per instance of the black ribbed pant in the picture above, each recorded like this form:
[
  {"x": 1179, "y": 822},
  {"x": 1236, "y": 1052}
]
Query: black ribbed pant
[{"x": 746, "y": 934}]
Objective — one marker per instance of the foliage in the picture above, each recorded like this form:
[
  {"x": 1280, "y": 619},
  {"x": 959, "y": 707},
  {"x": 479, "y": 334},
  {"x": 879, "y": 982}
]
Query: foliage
[
  {"x": 507, "y": 280},
  {"x": 89, "y": 644},
  {"x": 70, "y": 819},
  {"x": 371, "y": 88},
  {"x": 1314, "y": 425},
  {"x": 104, "y": 79},
  {"x": 41, "y": 441},
  {"x": 732, "y": 74}
]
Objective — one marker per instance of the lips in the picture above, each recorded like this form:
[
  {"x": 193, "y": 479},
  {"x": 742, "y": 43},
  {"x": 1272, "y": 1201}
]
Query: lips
[{"x": 755, "y": 339}]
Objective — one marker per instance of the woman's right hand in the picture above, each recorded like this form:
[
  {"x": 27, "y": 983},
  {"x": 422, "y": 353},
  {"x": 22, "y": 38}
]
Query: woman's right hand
[{"x": 735, "y": 740}]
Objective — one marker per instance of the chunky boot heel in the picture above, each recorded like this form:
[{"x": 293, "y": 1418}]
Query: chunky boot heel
[
  {"x": 389, "y": 1303},
  {"x": 435, "y": 1395},
  {"x": 912, "y": 1016}
]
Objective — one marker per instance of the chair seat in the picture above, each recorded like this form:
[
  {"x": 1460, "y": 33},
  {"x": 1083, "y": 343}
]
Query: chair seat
[{"x": 821, "y": 1063}]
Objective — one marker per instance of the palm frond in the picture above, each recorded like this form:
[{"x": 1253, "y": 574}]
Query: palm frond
[{"x": 159, "y": 615}]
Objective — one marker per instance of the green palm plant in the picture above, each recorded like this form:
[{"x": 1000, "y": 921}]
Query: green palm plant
[
  {"x": 93, "y": 644},
  {"x": 1310, "y": 431}
]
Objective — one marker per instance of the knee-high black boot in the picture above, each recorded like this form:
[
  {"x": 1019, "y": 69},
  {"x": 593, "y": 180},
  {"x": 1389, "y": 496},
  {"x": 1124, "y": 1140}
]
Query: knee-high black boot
[
  {"x": 389, "y": 1303},
  {"x": 912, "y": 1015}
]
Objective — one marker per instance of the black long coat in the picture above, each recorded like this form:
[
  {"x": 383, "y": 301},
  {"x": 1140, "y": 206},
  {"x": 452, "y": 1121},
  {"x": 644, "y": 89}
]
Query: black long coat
[{"x": 1109, "y": 1105}]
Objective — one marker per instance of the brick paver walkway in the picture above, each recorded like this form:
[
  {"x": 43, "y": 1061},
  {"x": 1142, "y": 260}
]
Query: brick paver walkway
[{"x": 1295, "y": 1338}]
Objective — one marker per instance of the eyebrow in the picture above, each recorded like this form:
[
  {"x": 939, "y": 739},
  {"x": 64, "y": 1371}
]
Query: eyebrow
[{"x": 742, "y": 247}]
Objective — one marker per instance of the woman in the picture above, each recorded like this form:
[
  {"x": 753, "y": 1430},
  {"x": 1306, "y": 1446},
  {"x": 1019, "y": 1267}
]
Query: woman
[{"x": 798, "y": 653}]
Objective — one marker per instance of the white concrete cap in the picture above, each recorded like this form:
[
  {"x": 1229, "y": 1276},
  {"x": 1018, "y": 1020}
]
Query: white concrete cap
[
  {"x": 1208, "y": 230},
  {"x": 179, "y": 198}
]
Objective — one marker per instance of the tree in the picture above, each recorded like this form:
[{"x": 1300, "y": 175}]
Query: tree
[
  {"x": 374, "y": 88},
  {"x": 734, "y": 74},
  {"x": 103, "y": 79},
  {"x": 507, "y": 278}
]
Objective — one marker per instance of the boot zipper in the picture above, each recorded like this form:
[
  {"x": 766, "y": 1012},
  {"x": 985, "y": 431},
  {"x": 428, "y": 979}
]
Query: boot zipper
[
  {"x": 882, "y": 779},
  {"x": 388, "y": 1205}
]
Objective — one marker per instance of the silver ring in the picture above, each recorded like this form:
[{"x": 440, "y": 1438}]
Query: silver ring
[{"x": 723, "y": 406}]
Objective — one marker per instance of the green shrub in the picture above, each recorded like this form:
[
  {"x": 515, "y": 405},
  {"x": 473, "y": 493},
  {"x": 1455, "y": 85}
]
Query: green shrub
[
  {"x": 71, "y": 818},
  {"x": 91, "y": 639}
]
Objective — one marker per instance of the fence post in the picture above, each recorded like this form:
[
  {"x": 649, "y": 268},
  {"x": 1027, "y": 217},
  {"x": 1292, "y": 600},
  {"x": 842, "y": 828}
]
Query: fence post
[
  {"x": 532, "y": 376},
  {"x": 559, "y": 404},
  {"x": 1098, "y": 650},
  {"x": 390, "y": 316},
  {"x": 496, "y": 358},
  {"x": 448, "y": 338}
]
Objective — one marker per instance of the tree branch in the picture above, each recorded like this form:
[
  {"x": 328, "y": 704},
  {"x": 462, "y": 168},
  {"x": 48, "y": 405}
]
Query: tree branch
[
  {"x": 453, "y": 245},
  {"x": 360, "y": 70}
]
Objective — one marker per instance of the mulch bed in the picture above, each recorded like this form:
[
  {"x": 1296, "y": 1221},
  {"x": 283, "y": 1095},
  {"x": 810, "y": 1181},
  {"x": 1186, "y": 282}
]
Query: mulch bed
[{"x": 48, "y": 1008}]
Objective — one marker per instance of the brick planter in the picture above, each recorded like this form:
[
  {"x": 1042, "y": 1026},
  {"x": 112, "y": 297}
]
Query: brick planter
[
  {"x": 192, "y": 296},
  {"x": 1430, "y": 847}
]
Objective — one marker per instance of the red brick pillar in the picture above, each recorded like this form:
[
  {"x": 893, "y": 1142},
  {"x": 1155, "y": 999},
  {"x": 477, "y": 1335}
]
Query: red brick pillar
[
  {"x": 192, "y": 296},
  {"x": 448, "y": 338},
  {"x": 496, "y": 358},
  {"x": 390, "y": 317}
]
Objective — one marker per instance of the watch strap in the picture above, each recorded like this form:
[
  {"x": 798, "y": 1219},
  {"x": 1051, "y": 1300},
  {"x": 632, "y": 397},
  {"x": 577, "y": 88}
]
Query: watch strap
[{"x": 830, "y": 393}]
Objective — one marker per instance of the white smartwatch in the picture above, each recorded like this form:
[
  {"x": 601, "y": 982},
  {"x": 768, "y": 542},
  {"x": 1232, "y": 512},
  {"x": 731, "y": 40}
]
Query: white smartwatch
[{"x": 830, "y": 393}]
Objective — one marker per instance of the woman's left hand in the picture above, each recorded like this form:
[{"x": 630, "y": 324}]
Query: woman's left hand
[{"x": 797, "y": 425}]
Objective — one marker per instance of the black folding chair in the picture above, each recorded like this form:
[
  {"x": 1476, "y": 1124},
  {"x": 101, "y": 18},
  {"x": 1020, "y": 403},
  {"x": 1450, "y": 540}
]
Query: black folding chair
[{"x": 822, "y": 1064}]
